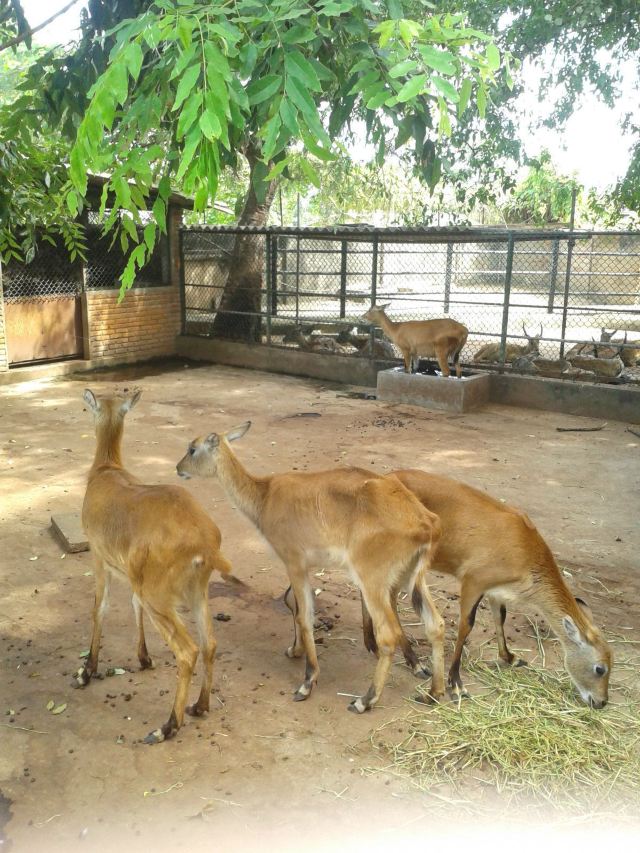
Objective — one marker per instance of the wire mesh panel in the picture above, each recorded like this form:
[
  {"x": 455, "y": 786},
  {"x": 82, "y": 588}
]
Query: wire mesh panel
[
  {"x": 522, "y": 295},
  {"x": 106, "y": 262},
  {"x": 50, "y": 275}
]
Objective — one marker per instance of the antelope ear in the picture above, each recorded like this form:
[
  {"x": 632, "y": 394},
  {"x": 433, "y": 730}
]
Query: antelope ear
[
  {"x": 90, "y": 399},
  {"x": 382, "y": 307},
  {"x": 130, "y": 402},
  {"x": 237, "y": 431},
  {"x": 572, "y": 632}
]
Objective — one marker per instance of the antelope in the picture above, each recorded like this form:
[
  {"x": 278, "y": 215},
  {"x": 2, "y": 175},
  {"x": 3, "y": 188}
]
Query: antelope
[
  {"x": 428, "y": 338},
  {"x": 495, "y": 551},
  {"x": 381, "y": 349},
  {"x": 162, "y": 541},
  {"x": 630, "y": 352},
  {"x": 313, "y": 343},
  {"x": 491, "y": 352},
  {"x": 371, "y": 525}
]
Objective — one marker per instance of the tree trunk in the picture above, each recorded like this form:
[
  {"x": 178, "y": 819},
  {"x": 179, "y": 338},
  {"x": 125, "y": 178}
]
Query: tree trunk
[{"x": 239, "y": 309}]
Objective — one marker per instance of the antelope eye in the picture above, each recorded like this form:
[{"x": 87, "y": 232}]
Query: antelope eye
[
  {"x": 192, "y": 450},
  {"x": 600, "y": 669}
]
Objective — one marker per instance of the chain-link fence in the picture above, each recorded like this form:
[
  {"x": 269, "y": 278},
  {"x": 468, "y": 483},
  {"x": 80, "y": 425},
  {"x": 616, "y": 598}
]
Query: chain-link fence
[{"x": 533, "y": 301}]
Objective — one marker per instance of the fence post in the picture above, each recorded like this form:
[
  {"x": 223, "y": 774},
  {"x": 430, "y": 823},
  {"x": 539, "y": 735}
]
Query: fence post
[
  {"x": 507, "y": 299},
  {"x": 447, "y": 278},
  {"x": 343, "y": 279},
  {"x": 567, "y": 277},
  {"x": 374, "y": 289},
  {"x": 554, "y": 275},
  {"x": 268, "y": 285},
  {"x": 273, "y": 260},
  {"x": 181, "y": 284}
]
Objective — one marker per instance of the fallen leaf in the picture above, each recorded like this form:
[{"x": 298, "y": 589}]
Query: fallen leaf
[
  {"x": 33, "y": 558},
  {"x": 50, "y": 705},
  {"x": 85, "y": 653},
  {"x": 60, "y": 708},
  {"x": 86, "y": 574}
]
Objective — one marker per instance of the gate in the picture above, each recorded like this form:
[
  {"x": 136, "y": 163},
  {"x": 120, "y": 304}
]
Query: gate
[{"x": 42, "y": 305}]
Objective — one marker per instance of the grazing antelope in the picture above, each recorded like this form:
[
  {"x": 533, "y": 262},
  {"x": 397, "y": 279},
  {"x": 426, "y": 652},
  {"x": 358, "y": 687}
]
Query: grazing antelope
[
  {"x": 381, "y": 349},
  {"x": 371, "y": 525},
  {"x": 491, "y": 352},
  {"x": 495, "y": 551},
  {"x": 162, "y": 541},
  {"x": 427, "y": 338},
  {"x": 313, "y": 343}
]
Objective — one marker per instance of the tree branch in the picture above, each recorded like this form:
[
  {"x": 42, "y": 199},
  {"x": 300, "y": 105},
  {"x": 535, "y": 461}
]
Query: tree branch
[{"x": 28, "y": 33}]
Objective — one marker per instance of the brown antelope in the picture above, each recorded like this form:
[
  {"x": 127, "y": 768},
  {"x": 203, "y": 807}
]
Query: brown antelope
[
  {"x": 371, "y": 525},
  {"x": 381, "y": 349},
  {"x": 322, "y": 344},
  {"x": 162, "y": 541},
  {"x": 495, "y": 551},
  {"x": 491, "y": 352},
  {"x": 427, "y": 338},
  {"x": 630, "y": 352}
]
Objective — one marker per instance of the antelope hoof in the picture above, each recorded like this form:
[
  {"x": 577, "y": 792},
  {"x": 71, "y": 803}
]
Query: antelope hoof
[
  {"x": 421, "y": 671},
  {"x": 358, "y": 706},
  {"x": 457, "y": 693},
  {"x": 293, "y": 652},
  {"x": 156, "y": 736},
  {"x": 303, "y": 692},
  {"x": 427, "y": 699},
  {"x": 82, "y": 678},
  {"x": 196, "y": 710},
  {"x": 521, "y": 662},
  {"x": 146, "y": 663}
]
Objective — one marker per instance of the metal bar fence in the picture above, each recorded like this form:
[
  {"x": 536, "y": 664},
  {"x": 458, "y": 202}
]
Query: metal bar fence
[{"x": 495, "y": 281}]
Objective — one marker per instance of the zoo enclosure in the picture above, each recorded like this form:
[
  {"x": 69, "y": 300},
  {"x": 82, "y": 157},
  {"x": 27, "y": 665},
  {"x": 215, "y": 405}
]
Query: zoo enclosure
[{"x": 494, "y": 280}]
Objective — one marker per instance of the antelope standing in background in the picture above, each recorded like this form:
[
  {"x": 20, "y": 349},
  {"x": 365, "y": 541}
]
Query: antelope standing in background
[
  {"x": 441, "y": 339},
  {"x": 491, "y": 352},
  {"x": 162, "y": 541},
  {"x": 495, "y": 551},
  {"x": 371, "y": 525}
]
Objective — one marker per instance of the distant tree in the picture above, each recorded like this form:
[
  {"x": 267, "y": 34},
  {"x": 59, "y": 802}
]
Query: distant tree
[{"x": 544, "y": 197}]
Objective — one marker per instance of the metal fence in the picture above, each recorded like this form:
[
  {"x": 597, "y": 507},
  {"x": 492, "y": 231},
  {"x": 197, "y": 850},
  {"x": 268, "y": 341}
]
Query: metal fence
[{"x": 504, "y": 285}]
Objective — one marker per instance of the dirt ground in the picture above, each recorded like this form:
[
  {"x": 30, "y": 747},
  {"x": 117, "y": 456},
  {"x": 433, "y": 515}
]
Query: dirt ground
[{"x": 259, "y": 771}]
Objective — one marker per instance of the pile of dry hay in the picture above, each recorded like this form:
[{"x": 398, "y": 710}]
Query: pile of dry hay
[{"x": 526, "y": 738}]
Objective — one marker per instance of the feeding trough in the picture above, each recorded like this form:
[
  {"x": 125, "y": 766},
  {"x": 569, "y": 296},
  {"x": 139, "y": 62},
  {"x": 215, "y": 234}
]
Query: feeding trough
[{"x": 433, "y": 391}]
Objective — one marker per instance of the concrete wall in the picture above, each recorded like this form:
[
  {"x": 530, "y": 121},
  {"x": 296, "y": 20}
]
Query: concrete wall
[
  {"x": 144, "y": 325},
  {"x": 608, "y": 402}
]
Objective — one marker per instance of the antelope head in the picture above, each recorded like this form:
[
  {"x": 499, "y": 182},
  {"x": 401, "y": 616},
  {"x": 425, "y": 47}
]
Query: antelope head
[
  {"x": 588, "y": 658},
  {"x": 201, "y": 458},
  {"x": 533, "y": 341},
  {"x": 374, "y": 313}
]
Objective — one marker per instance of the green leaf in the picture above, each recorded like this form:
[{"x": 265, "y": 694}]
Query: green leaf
[
  {"x": 446, "y": 89},
  {"x": 185, "y": 30},
  {"x": 118, "y": 81},
  {"x": 386, "y": 29},
  {"x": 412, "y": 87},
  {"x": 493, "y": 57},
  {"x": 444, "y": 126},
  {"x": 403, "y": 68},
  {"x": 279, "y": 167},
  {"x": 192, "y": 141},
  {"x": 299, "y": 34},
  {"x": 77, "y": 170},
  {"x": 217, "y": 60},
  {"x": 150, "y": 236},
  {"x": 312, "y": 146},
  {"x": 439, "y": 60},
  {"x": 296, "y": 65},
  {"x": 210, "y": 125},
  {"x": 133, "y": 57},
  {"x": 465, "y": 94},
  {"x": 270, "y": 135},
  {"x": 160, "y": 215},
  {"x": 187, "y": 82},
  {"x": 183, "y": 60},
  {"x": 73, "y": 203},
  {"x": 481, "y": 100},
  {"x": 289, "y": 116},
  {"x": 309, "y": 172},
  {"x": 189, "y": 114},
  {"x": 264, "y": 88},
  {"x": 408, "y": 31},
  {"x": 378, "y": 99}
]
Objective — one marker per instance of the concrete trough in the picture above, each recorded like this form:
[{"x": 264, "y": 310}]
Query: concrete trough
[{"x": 447, "y": 394}]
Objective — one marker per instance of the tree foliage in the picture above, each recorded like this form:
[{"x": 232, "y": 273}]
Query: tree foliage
[
  {"x": 189, "y": 87},
  {"x": 544, "y": 197}
]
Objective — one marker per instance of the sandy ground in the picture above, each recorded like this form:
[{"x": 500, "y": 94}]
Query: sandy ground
[{"x": 259, "y": 771}]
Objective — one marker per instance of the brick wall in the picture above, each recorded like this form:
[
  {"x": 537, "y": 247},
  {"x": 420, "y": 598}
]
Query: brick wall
[{"x": 143, "y": 325}]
